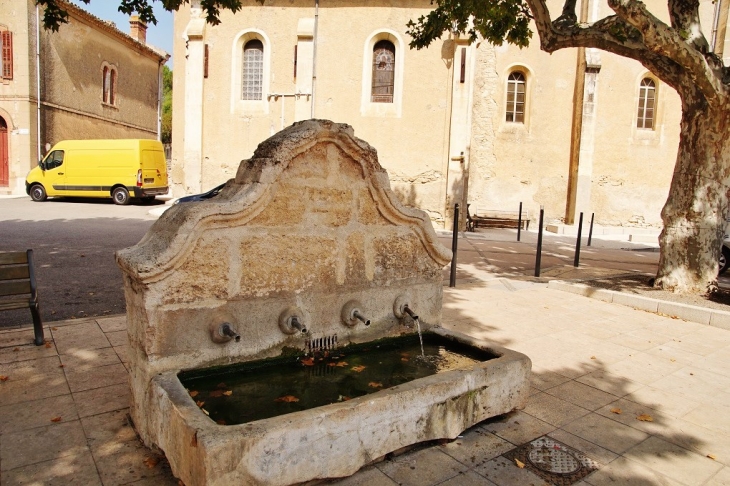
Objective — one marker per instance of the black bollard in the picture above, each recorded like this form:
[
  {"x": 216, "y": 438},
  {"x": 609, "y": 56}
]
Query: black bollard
[
  {"x": 590, "y": 230},
  {"x": 454, "y": 244},
  {"x": 576, "y": 260},
  {"x": 519, "y": 222},
  {"x": 538, "y": 257}
]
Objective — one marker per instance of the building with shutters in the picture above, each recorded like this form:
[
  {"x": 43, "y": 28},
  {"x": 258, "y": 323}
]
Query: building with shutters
[
  {"x": 577, "y": 131},
  {"x": 92, "y": 80}
]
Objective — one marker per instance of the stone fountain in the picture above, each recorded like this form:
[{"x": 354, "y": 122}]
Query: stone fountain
[{"x": 307, "y": 244}]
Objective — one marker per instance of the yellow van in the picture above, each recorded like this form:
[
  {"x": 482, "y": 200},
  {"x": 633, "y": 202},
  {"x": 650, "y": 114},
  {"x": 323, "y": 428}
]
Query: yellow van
[{"x": 119, "y": 169}]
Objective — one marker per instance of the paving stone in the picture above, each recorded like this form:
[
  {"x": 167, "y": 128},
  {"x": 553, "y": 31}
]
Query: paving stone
[
  {"x": 112, "y": 324},
  {"x": 118, "y": 338},
  {"x": 615, "y": 385},
  {"x": 23, "y": 370},
  {"x": 76, "y": 469},
  {"x": 582, "y": 395},
  {"x": 469, "y": 478},
  {"x": 553, "y": 410},
  {"x": 425, "y": 466},
  {"x": 626, "y": 472},
  {"x": 37, "y": 413},
  {"x": 35, "y": 388},
  {"x": 97, "y": 377},
  {"x": 606, "y": 433},
  {"x": 665, "y": 402},
  {"x": 368, "y": 476},
  {"x": 122, "y": 353},
  {"x": 130, "y": 462},
  {"x": 25, "y": 352},
  {"x": 85, "y": 360},
  {"x": 39, "y": 444},
  {"x": 722, "y": 478},
  {"x": 544, "y": 380},
  {"x": 475, "y": 446},
  {"x": 84, "y": 336},
  {"x": 503, "y": 472},
  {"x": 673, "y": 461},
  {"x": 101, "y": 400},
  {"x": 517, "y": 427}
]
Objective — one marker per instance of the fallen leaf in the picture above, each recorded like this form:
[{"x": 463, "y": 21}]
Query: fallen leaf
[
  {"x": 4, "y": 378},
  {"x": 220, "y": 422},
  {"x": 341, "y": 364},
  {"x": 405, "y": 354},
  {"x": 193, "y": 393},
  {"x": 194, "y": 440},
  {"x": 617, "y": 411},
  {"x": 54, "y": 329},
  {"x": 151, "y": 462},
  {"x": 645, "y": 418},
  {"x": 404, "y": 359},
  {"x": 287, "y": 399},
  {"x": 221, "y": 385},
  {"x": 228, "y": 393},
  {"x": 375, "y": 384},
  {"x": 712, "y": 456},
  {"x": 48, "y": 345},
  {"x": 308, "y": 361},
  {"x": 216, "y": 393},
  {"x": 91, "y": 293},
  {"x": 200, "y": 404},
  {"x": 593, "y": 357},
  {"x": 56, "y": 419},
  {"x": 62, "y": 366},
  {"x": 331, "y": 364},
  {"x": 691, "y": 374},
  {"x": 358, "y": 368},
  {"x": 205, "y": 411},
  {"x": 15, "y": 350},
  {"x": 82, "y": 256},
  {"x": 520, "y": 464},
  {"x": 672, "y": 360},
  {"x": 342, "y": 398}
]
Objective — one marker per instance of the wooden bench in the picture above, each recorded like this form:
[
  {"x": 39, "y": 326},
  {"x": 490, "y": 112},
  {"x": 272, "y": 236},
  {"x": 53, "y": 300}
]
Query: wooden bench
[
  {"x": 496, "y": 219},
  {"x": 18, "y": 287}
]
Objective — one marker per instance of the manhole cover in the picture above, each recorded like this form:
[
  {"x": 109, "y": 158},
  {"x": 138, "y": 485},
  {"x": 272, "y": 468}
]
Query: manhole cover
[
  {"x": 550, "y": 457},
  {"x": 554, "y": 461}
]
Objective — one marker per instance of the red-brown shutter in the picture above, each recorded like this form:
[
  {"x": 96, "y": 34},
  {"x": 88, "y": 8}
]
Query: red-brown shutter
[{"x": 7, "y": 38}]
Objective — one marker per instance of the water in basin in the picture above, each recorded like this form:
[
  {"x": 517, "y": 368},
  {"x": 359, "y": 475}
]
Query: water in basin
[{"x": 263, "y": 389}]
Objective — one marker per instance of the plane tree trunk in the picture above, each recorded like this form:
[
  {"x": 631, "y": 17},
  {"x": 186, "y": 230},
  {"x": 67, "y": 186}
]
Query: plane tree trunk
[{"x": 695, "y": 211}]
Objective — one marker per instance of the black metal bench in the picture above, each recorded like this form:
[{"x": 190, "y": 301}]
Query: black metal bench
[{"x": 18, "y": 287}]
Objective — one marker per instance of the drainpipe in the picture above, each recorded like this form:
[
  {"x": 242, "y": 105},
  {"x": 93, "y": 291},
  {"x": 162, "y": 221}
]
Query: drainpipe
[
  {"x": 159, "y": 100},
  {"x": 38, "y": 76},
  {"x": 715, "y": 22},
  {"x": 314, "y": 54}
]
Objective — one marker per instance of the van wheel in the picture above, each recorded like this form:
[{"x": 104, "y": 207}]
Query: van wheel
[
  {"x": 120, "y": 195},
  {"x": 38, "y": 193}
]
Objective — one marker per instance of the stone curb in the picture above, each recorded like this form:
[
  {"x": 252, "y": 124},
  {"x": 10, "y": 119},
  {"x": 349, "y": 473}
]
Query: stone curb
[{"x": 692, "y": 313}]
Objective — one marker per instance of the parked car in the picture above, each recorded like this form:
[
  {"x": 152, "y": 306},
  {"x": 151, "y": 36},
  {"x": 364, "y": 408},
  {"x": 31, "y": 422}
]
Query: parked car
[
  {"x": 201, "y": 197},
  {"x": 725, "y": 250}
]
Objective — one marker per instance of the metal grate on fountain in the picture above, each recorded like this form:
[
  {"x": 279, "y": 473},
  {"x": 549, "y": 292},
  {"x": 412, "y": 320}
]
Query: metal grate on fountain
[{"x": 553, "y": 461}]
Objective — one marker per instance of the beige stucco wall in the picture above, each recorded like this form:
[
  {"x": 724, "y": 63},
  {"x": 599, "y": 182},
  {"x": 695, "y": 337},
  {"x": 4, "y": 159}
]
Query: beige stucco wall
[
  {"x": 623, "y": 172},
  {"x": 410, "y": 144},
  {"x": 71, "y": 91}
]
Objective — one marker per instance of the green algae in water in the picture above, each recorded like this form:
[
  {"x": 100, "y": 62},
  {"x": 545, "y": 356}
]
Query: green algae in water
[{"x": 259, "y": 390}]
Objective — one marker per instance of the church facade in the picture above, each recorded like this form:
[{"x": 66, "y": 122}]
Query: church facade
[{"x": 576, "y": 131}]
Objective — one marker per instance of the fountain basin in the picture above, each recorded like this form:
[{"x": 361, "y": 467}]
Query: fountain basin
[{"x": 338, "y": 439}]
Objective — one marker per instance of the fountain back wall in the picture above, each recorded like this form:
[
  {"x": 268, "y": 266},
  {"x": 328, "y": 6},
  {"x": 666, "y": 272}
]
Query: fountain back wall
[{"x": 307, "y": 244}]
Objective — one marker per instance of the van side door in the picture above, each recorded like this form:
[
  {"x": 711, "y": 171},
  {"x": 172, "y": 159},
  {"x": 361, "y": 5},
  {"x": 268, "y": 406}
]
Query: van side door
[{"x": 55, "y": 173}]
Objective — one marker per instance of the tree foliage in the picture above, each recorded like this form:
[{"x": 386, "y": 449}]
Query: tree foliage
[
  {"x": 678, "y": 53},
  {"x": 55, "y": 13},
  {"x": 166, "y": 134}
]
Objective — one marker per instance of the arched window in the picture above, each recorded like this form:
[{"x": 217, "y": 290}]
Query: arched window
[
  {"x": 383, "y": 72},
  {"x": 109, "y": 85},
  {"x": 647, "y": 103},
  {"x": 253, "y": 70},
  {"x": 515, "y": 110}
]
